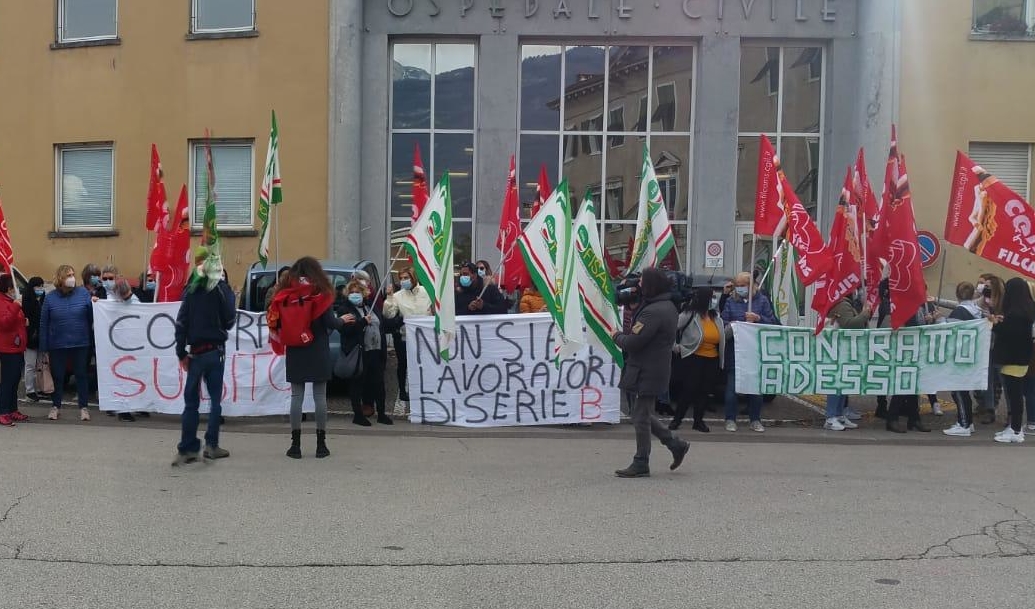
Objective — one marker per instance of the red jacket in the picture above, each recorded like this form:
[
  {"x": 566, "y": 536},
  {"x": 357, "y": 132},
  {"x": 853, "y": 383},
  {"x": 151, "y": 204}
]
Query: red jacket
[{"x": 13, "y": 332}]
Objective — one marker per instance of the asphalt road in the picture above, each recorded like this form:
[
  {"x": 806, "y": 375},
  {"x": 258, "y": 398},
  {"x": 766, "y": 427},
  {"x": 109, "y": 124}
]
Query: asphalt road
[{"x": 92, "y": 515}]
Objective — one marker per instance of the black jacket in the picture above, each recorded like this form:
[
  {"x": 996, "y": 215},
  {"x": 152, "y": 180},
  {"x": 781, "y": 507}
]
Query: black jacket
[
  {"x": 312, "y": 363},
  {"x": 352, "y": 334},
  {"x": 648, "y": 347},
  {"x": 204, "y": 317},
  {"x": 1012, "y": 345},
  {"x": 493, "y": 302},
  {"x": 31, "y": 306}
]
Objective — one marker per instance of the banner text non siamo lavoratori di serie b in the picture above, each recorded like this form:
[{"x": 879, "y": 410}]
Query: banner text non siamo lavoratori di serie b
[{"x": 919, "y": 360}]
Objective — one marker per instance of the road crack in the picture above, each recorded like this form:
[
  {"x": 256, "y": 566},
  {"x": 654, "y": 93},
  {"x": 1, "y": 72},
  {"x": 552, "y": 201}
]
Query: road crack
[{"x": 10, "y": 509}]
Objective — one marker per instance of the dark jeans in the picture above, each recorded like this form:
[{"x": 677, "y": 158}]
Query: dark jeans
[
  {"x": 400, "y": 370},
  {"x": 80, "y": 357},
  {"x": 695, "y": 378},
  {"x": 11, "y": 367},
  {"x": 369, "y": 388},
  {"x": 1013, "y": 387},
  {"x": 646, "y": 424},
  {"x": 754, "y": 401},
  {"x": 206, "y": 367},
  {"x": 1029, "y": 398},
  {"x": 964, "y": 408}
]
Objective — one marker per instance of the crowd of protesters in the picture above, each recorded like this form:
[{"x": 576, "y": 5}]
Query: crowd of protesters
[{"x": 52, "y": 330}]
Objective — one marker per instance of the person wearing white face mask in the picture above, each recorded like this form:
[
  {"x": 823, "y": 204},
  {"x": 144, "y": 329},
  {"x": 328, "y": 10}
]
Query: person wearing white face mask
[
  {"x": 32, "y": 302},
  {"x": 753, "y": 308},
  {"x": 410, "y": 301},
  {"x": 65, "y": 322}
]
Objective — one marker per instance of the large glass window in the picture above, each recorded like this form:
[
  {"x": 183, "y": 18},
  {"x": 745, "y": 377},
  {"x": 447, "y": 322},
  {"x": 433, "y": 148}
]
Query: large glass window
[
  {"x": 586, "y": 113},
  {"x": 232, "y": 162},
  {"x": 81, "y": 20},
  {"x": 781, "y": 95},
  {"x": 433, "y": 107},
  {"x": 85, "y": 194},
  {"x": 1004, "y": 17}
]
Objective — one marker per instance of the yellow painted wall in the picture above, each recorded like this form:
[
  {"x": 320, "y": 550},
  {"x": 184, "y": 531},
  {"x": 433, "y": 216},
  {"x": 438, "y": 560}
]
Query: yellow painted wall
[
  {"x": 955, "y": 90},
  {"x": 159, "y": 87}
]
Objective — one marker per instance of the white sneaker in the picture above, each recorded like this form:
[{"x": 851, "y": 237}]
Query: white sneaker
[
  {"x": 1009, "y": 436},
  {"x": 852, "y": 415},
  {"x": 757, "y": 426},
  {"x": 1007, "y": 430},
  {"x": 959, "y": 431},
  {"x": 1031, "y": 427},
  {"x": 731, "y": 426},
  {"x": 846, "y": 423},
  {"x": 833, "y": 425},
  {"x": 936, "y": 408}
]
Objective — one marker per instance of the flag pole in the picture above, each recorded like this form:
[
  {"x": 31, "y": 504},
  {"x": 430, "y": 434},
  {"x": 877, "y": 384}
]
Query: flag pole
[
  {"x": 388, "y": 274},
  {"x": 776, "y": 254},
  {"x": 276, "y": 232},
  {"x": 941, "y": 274},
  {"x": 865, "y": 265},
  {"x": 751, "y": 271},
  {"x": 503, "y": 256}
]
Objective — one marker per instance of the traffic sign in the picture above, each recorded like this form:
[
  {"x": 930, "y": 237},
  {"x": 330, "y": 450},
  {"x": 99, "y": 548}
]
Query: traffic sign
[{"x": 930, "y": 247}]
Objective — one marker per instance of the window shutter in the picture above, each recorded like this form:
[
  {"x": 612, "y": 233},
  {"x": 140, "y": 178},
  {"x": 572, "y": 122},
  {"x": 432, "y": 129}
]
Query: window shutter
[
  {"x": 233, "y": 167},
  {"x": 86, "y": 189},
  {"x": 1008, "y": 162}
]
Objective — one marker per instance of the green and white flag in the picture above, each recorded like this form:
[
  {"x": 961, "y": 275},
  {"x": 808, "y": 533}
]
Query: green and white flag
[
  {"x": 548, "y": 249},
  {"x": 786, "y": 287},
  {"x": 430, "y": 246},
  {"x": 271, "y": 193},
  {"x": 595, "y": 287},
  {"x": 653, "y": 232}
]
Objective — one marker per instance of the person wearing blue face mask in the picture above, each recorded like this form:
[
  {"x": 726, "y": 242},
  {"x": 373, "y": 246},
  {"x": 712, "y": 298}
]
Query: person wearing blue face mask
[
  {"x": 145, "y": 292},
  {"x": 409, "y": 301},
  {"x": 475, "y": 296},
  {"x": 751, "y": 307},
  {"x": 366, "y": 329},
  {"x": 32, "y": 303},
  {"x": 92, "y": 281}
]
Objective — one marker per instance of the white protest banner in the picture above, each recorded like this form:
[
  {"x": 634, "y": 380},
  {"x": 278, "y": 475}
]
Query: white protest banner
[
  {"x": 502, "y": 372},
  {"x": 919, "y": 360},
  {"x": 137, "y": 368}
]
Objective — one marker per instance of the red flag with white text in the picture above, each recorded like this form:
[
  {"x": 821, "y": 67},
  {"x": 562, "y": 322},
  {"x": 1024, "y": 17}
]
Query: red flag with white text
[
  {"x": 769, "y": 204},
  {"x": 868, "y": 212},
  {"x": 6, "y": 249},
  {"x": 845, "y": 274},
  {"x": 542, "y": 190},
  {"x": 902, "y": 251},
  {"x": 170, "y": 255},
  {"x": 156, "y": 197},
  {"x": 801, "y": 231},
  {"x": 989, "y": 219},
  {"x": 513, "y": 273},
  {"x": 420, "y": 185}
]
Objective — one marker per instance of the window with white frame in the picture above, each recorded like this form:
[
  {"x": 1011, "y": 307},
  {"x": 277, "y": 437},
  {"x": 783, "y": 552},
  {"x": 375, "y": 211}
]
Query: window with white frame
[
  {"x": 85, "y": 193},
  {"x": 87, "y": 20},
  {"x": 433, "y": 107},
  {"x": 579, "y": 127},
  {"x": 1004, "y": 17},
  {"x": 232, "y": 162},
  {"x": 1010, "y": 162},
  {"x": 781, "y": 96},
  {"x": 215, "y": 16}
]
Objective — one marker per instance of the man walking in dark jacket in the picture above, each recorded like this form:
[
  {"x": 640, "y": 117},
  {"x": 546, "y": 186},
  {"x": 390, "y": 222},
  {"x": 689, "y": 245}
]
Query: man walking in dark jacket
[
  {"x": 206, "y": 314},
  {"x": 648, "y": 365}
]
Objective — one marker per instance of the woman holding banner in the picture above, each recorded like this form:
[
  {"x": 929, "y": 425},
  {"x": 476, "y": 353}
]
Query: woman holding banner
[
  {"x": 410, "y": 301},
  {"x": 648, "y": 366}
]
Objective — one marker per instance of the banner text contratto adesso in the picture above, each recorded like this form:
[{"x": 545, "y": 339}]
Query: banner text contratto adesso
[{"x": 924, "y": 359}]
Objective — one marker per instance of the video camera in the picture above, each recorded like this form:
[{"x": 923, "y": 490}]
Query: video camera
[{"x": 627, "y": 292}]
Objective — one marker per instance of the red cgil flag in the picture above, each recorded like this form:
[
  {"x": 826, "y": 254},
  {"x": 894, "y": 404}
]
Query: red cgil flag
[
  {"x": 989, "y": 219},
  {"x": 868, "y": 211},
  {"x": 770, "y": 206},
  {"x": 170, "y": 255},
  {"x": 542, "y": 190},
  {"x": 513, "y": 274},
  {"x": 6, "y": 249},
  {"x": 902, "y": 251},
  {"x": 420, "y": 184},
  {"x": 799, "y": 229},
  {"x": 845, "y": 274},
  {"x": 156, "y": 198}
]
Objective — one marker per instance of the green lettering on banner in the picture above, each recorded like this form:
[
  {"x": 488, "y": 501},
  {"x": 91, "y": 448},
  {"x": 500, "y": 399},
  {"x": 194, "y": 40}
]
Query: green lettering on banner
[{"x": 950, "y": 357}]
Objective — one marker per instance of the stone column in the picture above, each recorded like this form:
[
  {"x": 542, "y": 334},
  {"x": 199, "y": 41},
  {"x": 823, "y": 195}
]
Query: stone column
[{"x": 344, "y": 218}]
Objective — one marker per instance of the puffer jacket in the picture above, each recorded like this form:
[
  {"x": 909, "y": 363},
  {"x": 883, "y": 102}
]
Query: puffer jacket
[
  {"x": 648, "y": 347},
  {"x": 14, "y": 337},
  {"x": 532, "y": 301},
  {"x": 66, "y": 320}
]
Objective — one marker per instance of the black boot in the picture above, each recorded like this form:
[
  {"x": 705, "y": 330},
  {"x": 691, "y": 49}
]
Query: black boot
[
  {"x": 916, "y": 425},
  {"x": 321, "y": 444},
  {"x": 894, "y": 426},
  {"x": 636, "y": 470},
  {"x": 295, "y": 452}
]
